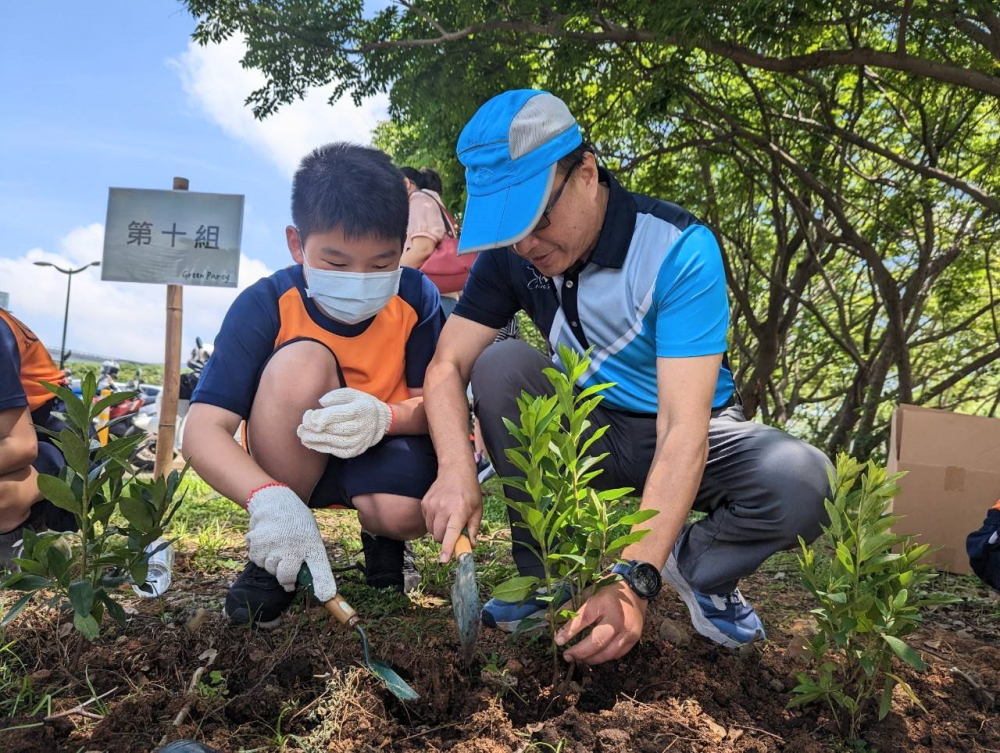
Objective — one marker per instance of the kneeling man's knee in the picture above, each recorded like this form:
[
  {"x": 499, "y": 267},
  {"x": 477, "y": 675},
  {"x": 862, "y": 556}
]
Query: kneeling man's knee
[{"x": 798, "y": 473}]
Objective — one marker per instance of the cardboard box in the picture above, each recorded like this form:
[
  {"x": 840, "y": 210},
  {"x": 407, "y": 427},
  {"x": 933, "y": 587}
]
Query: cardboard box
[{"x": 953, "y": 477}]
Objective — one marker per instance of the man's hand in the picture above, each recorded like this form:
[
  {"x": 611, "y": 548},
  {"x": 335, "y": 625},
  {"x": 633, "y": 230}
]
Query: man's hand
[
  {"x": 349, "y": 423},
  {"x": 453, "y": 503},
  {"x": 617, "y": 615},
  {"x": 283, "y": 535}
]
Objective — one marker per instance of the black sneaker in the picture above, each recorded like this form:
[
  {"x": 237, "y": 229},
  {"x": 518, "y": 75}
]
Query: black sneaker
[
  {"x": 389, "y": 563},
  {"x": 257, "y": 597}
]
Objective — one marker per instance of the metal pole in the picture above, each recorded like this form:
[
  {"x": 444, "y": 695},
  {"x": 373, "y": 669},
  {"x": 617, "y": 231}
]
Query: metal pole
[{"x": 62, "y": 350}]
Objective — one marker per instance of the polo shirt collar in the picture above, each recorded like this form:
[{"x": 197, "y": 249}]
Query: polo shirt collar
[{"x": 619, "y": 225}]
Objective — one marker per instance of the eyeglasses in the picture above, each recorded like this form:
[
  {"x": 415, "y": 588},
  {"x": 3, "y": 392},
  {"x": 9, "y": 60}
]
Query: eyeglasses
[{"x": 544, "y": 221}]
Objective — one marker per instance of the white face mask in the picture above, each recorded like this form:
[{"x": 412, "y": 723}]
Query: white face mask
[{"x": 350, "y": 297}]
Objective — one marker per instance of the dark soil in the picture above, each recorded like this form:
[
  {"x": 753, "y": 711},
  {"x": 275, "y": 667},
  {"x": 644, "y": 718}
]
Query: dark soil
[{"x": 301, "y": 685}]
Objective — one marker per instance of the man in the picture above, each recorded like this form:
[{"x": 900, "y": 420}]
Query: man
[
  {"x": 109, "y": 375},
  {"x": 641, "y": 281},
  {"x": 25, "y": 406}
]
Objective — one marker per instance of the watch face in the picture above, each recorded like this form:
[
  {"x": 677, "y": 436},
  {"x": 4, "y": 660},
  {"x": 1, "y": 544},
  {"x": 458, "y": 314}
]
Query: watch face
[{"x": 646, "y": 580}]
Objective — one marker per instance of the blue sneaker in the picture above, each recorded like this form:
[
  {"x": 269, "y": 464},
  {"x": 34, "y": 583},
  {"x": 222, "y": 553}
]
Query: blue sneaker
[
  {"x": 727, "y": 619},
  {"x": 508, "y": 615}
]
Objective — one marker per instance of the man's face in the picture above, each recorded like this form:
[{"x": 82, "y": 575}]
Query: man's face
[
  {"x": 555, "y": 248},
  {"x": 331, "y": 250}
]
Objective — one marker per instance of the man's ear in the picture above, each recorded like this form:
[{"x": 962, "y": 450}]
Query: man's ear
[
  {"x": 294, "y": 243},
  {"x": 588, "y": 172}
]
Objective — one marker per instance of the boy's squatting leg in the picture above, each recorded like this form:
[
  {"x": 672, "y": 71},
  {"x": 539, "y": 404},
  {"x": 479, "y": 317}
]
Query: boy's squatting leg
[
  {"x": 294, "y": 380},
  {"x": 18, "y": 493}
]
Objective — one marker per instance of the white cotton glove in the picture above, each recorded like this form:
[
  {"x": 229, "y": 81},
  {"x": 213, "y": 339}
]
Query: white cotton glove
[
  {"x": 349, "y": 422},
  {"x": 283, "y": 534}
]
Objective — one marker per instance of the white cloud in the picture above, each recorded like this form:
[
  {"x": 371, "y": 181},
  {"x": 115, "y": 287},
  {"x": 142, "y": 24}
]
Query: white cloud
[
  {"x": 124, "y": 320},
  {"x": 219, "y": 85}
]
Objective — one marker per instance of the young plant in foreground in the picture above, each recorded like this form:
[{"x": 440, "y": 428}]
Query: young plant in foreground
[
  {"x": 867, "y": 582},
  {"x": 576, "y": 541},
  {"x": 117, "y": 514}
]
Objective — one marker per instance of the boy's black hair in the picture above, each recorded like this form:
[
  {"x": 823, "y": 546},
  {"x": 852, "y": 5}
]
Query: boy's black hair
[
  {"x": 414, "y": 176},
  {"x": 354, "y": 188}
]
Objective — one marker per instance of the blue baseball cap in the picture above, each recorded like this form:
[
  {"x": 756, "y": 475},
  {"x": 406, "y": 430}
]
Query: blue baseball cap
[{"x": 510, "y": 149}]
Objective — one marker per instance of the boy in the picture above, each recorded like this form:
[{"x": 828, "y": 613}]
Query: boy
[
  {"x": 324, "y": 363},
  {"x": 25, "y": 452}
]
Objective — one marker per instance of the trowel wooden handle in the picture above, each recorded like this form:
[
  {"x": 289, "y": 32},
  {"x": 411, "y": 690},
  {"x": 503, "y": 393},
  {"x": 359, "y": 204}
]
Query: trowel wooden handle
[
  {"x": 344, "y": 612},
  {"x": 463, "y": 546}
]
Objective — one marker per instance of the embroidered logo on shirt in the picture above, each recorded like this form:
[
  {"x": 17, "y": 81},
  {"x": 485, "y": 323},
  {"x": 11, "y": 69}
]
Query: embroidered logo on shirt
[{"x": 538, "y": 281}]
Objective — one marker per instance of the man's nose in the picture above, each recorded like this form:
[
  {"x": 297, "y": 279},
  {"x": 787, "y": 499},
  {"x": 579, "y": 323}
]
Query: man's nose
[{"x": 526, "y": 245}]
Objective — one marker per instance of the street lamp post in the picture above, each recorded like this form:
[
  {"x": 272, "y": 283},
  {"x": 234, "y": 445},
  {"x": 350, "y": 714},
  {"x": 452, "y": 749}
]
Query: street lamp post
[{"x": 69, "y": 284}]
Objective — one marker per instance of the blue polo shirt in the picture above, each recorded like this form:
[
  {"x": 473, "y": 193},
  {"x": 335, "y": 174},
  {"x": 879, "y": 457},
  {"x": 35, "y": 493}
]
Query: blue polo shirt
[{"x": 654, "y": 287}]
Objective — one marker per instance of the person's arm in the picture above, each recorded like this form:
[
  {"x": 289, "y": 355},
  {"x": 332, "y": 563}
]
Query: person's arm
[
  {"x": 454, "y": 502},
  {"x": 18, "y": 443},
  {"x": 217, "y": 457},
  {"x": 409, "y": 416},
  {"x": 420, "y": 249},
  {"x": 424, "y": 230}
]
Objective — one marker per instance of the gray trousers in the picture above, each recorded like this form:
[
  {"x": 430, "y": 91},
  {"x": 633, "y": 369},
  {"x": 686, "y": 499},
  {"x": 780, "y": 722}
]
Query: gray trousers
[{"x": 761, "y": 488}]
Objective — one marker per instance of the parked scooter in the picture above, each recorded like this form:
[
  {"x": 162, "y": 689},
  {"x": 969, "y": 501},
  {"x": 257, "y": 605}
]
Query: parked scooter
[{"x": 145, "y": 456}]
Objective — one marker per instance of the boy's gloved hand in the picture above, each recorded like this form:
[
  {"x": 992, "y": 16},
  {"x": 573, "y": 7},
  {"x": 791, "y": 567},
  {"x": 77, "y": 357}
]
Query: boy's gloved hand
[
  {"x": 283, "y": 535},
  {"x": 349, "y": 422}
]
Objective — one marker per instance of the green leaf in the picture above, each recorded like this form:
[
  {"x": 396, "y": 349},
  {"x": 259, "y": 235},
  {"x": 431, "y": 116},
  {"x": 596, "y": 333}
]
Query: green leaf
[
  {"x": 139, "y": 571},
  {"x": 844, "y": 555},
  {"x": 76, "y": 450},
  {"x": 114, "y": 608},
  {"x": 515, "y": 589},
  {"x": 905, "y": 686},
  {"x": 59, "y": 493},
  {"x": 111, "y": 400},
  {"x": 87, "y": 625},
  {"x": 28, "y": 582},
  {"x": 904, "y": 652},
  {"x": 81, "y": 596},
  {"x": 623, "y": 541},
  {"x": 137, "y": 512},
  {"x": 639, "y": 516},
  {"x": 15, "y": 610},
  {"x": 885, "y": 702}
]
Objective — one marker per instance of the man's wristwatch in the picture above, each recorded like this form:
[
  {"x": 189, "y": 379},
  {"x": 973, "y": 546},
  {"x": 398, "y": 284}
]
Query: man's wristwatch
[{"x": 641, "y": 577}]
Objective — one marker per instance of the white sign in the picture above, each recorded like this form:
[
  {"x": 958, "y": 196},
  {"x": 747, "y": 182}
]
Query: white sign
[
  {"x": 4, "y": 300},
  {"x": 172, "y": 237}
]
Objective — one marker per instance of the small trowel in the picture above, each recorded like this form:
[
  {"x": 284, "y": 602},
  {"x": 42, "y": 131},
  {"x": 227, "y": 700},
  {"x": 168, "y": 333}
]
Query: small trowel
[
  {"x": 346, "y": 616},
  {"x": 465, "y": 599}
]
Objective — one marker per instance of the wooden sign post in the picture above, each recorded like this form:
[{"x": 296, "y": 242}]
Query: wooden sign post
[
  {"x": 172, "y": 238},
  {"x": 167, "y": 430}
]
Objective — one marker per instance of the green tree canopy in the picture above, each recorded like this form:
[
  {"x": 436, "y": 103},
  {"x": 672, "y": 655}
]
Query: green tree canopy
[{"x": 845, "y": 154}]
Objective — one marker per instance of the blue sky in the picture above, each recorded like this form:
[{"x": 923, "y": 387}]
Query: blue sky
[{"x": 114, "y": 93}]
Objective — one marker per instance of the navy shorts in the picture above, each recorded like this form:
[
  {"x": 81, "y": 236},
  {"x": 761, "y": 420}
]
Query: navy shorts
[
  {"x": 50, "y": 461},
  {"x": 403, "y": 465}
]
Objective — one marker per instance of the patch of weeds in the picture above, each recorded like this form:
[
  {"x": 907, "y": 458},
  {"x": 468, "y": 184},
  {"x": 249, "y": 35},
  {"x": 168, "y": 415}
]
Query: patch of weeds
[
  {"x": 214, "y": 687},
  {"x": 208, "y": 543}
]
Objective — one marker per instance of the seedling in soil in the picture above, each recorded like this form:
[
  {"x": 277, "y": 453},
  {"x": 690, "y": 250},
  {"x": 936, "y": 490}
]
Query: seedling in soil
[
  {"x": 117, "y": 514},
  {"x": 576, "y": 542},
  {"x": 866, "y": 580}
]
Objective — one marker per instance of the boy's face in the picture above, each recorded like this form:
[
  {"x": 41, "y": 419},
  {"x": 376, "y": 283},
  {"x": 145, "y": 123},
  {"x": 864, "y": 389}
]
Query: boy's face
[{"x": 331, "y": 251}]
